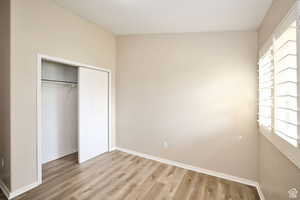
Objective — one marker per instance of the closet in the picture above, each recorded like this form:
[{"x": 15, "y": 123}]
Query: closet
[
  {"x": 74, "y": 111},
  {"x": 59, "y": 111}
]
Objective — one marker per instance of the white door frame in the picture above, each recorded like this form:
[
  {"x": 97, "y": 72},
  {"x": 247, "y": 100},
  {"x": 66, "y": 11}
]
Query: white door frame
[{"x": 41, "y": 58}]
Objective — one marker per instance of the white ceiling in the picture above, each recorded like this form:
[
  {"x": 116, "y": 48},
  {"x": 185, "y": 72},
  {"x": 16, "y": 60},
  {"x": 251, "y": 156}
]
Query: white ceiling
[{"x": 171, "y": 16}]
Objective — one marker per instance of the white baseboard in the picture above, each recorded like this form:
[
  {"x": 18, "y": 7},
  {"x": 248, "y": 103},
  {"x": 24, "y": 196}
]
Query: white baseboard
[
  {"x": 197, "y": 169},
  {"x": 4, "y": 189},
  {"x": 22, "y": 190},
  {"x": 11, "y": 195},
  {"x": 260, "y": 193},
  {"x": 60, "y": 155},
  {"x": 112, "y": 149}
]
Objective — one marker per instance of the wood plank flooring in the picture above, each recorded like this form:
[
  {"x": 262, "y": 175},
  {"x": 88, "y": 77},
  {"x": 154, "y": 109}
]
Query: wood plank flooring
[{"x": 120, "y": 176}]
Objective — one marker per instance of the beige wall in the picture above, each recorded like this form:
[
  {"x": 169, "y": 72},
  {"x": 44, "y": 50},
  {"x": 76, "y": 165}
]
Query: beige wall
[
  {"x": 40, "y": 26},
  {"x": 277, "y": 11},
  {"x": 276, "y": 173},
  {"x": 5, "y": 90},
  {"x": 195, "y": 91}
]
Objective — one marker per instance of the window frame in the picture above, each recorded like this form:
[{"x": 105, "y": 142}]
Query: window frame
[{"x": 290, "y": 151}]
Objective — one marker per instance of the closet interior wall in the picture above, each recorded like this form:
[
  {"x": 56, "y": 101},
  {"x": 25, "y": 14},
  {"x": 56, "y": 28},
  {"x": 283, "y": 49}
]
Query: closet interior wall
[{"x": 59, "y": 110}]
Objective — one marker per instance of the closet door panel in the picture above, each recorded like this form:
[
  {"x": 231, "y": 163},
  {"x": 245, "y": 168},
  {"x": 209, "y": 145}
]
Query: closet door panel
[{"x": 93, "y": 113}]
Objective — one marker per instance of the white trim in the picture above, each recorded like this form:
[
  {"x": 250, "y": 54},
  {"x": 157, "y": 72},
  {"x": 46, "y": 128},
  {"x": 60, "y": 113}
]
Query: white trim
[
  {"x": 68, "y": 62},
  {"x": 269, "y": 43},
  {"x": 60, "y": 156},
  {"x": 39, "y": 117},
  {"x": 193, "y": 168},
  {"x": 110, "y": 133},
  {"x": 113, "y": 149},
  {"x": 266, "y": 47},
  {"x": 23, "y": 190},
  {"x": 286, "y": 21},
  {"x": 4, "y": 189},
  {"x": 297, "y": 11},
  {"x": 291, "y": 152},
  {"x": 260, "y": 193},
  {"x": 11, "y": 195},
  {"x": 40, "y": 58}
]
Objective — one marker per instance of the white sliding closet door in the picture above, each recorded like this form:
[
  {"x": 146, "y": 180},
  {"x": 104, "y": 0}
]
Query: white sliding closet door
[{"x": 93, "y": 113}]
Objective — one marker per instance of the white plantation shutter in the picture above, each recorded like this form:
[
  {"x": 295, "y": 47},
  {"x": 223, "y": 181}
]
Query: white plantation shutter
[
  {"x": 266, "y": 72},
  {"x": 278, "y": 85},
  {"x": 286, "y": 85}
]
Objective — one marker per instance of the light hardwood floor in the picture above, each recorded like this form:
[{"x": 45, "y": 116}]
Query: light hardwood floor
[{"x": 120, "y": 176}]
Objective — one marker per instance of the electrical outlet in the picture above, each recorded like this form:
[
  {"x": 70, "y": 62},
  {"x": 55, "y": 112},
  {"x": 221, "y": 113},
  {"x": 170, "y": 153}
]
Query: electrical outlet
[
  {"x": 293, "y": 193},
  {"x": 166, "y": 145}
]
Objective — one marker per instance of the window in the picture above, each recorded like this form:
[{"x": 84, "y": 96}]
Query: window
[
  {"x": 285, "y": 89},
  {"x": 266, "y": 69},
  {"x": 278, "y": 86}
]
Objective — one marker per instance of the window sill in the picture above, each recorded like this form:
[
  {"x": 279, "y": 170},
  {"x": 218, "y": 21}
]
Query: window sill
[{"x": 291, "y": 152}]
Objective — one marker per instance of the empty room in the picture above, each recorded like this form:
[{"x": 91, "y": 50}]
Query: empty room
[{"x": 150, "y": 100}]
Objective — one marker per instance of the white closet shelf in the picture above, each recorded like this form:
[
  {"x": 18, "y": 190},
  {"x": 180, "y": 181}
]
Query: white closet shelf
[{"x": 59, "y": 81}]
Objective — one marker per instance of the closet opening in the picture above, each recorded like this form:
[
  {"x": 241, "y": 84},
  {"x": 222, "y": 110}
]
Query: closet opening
[
  {"x": 73, "y": 107},
  {"x": 59, "y": 91}
]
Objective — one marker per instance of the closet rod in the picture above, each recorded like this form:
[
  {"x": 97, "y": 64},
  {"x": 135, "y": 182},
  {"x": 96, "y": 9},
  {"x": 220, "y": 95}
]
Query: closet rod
[{"x": 58, "y": 81}]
